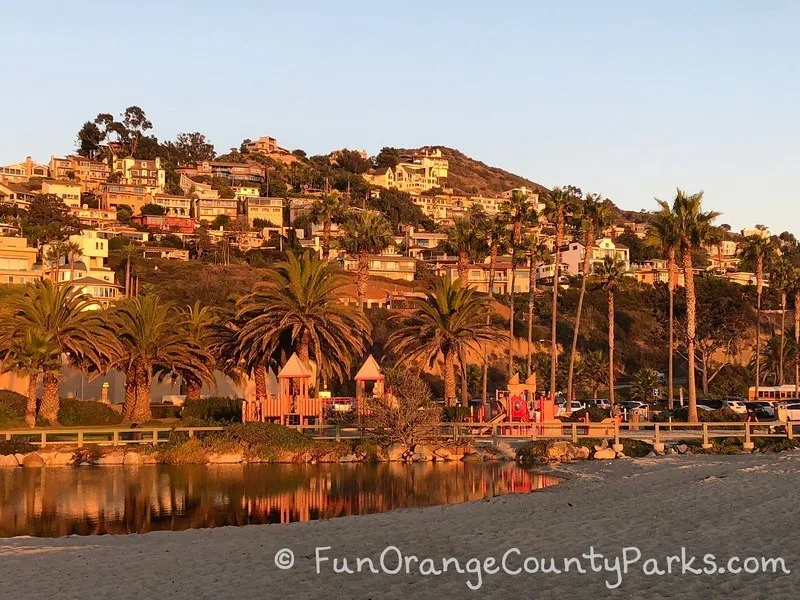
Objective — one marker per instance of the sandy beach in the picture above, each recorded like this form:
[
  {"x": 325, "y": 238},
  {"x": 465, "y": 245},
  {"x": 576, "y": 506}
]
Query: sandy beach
[{"x": 729, "y": 506}]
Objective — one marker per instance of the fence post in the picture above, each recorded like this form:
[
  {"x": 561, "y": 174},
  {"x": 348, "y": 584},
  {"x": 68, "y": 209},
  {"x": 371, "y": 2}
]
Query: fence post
[
  {"x": 44, "y": 439},
  {"x": 115, "y": 438},
  {"x": 575, "y": 433},
  {"x": 8, "y": 437},
  {"x": 706, "y": 443},
  {"x": 80, "y": 439},
  {"x": 748, "y": 444},
  {"x": 617, "y": 447},
  {"x": 658, "y": 445},
  {"x": 191, "y": 433},
  {"x": 494, "y": 434},
  {"x": 789, "y": 430},
  {"x": 155, "y": 436},
  {"x": 338, "y": 432}
]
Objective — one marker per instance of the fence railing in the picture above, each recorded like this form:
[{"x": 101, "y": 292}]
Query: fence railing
[{"x": 655, "y": 433}]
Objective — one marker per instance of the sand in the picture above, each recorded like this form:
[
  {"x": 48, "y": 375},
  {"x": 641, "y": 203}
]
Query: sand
[{"x": 728, "y": 506}]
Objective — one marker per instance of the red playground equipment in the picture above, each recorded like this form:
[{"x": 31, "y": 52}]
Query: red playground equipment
[
  {"x": 514, "y": 404},
  {"x": 293, "y": 405}
]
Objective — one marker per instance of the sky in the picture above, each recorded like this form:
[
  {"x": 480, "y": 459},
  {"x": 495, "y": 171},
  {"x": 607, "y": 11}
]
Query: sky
[{"x": 626, "y": 99}]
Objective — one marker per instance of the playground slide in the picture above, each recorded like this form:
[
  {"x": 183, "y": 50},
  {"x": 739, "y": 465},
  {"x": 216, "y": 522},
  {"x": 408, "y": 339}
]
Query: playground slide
[{"x": 487, "y": 427}]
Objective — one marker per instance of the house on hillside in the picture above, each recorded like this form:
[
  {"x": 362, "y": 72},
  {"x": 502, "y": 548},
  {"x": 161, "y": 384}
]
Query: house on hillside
[
  {"x": 425, "y": 170},
  {"x": 13, "y": 194},
  {"x": 572, "y": 254},
  {"x": 23, "y": 171}
]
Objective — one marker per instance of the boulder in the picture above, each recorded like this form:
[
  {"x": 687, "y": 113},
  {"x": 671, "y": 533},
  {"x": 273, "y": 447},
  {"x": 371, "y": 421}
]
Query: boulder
[
  {"x": 132, "y": 459},
  {"x": 395, "y": 451},
  {"x": 580, "y": 453},
  {"x": 349, "y": 458},
  {"x": 423, "y": 453},
  {"x": 57, "y": 459},
  {"x": 148, "y": 458},
  {"x": 473, "y": 457},
  {"x": 330, "y": 457},
  {"x": 224, "y": 458},
  {"x": 33, "y": 461},
  {"x": 111, "y": 459},
  {"x": 442, "y": 453},
  {"x": 682, "y": 448},
  {"x": 504, "y": 451},
  {"x": 8, "y": 461},
  {"x": 651, "y": 454},
  {"x": 601, "y": 446},
  {"x": 604, "y": 454}
]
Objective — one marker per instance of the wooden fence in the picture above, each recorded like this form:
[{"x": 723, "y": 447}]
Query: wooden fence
[{"x": 655, "y": 433}]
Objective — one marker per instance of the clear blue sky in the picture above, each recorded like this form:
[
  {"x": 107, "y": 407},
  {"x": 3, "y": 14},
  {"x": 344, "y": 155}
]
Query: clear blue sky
[{"x": 629, "y": 99}]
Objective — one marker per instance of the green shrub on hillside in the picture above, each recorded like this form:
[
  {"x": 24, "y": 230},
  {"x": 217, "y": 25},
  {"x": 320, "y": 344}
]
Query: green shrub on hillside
[
  {"x": 213, "y": 411},
  {"x": 12, "y": 409},
  {"x": 87, "y": 413}
]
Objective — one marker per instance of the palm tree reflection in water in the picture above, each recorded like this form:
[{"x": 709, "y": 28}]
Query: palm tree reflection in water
[{"x": 118, "y": 500}]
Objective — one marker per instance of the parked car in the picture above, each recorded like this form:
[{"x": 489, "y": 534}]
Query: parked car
[
  {"x": 761, "y": 409},
  {"x": 598, "y": 402},
  {"x": 574, "y": 406},
  {"x": 735, "y": 405},
  {"x": 792, "y": 408},
  {"x": 711, "y": 403},
  {"x": 633, "y": 406}
]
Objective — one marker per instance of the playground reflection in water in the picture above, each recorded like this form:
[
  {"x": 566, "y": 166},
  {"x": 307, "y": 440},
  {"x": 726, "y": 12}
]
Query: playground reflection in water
[{"x": 118, "y": 500}]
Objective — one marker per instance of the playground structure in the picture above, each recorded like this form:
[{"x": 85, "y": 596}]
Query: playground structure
[{"x": 294, "y": 405}]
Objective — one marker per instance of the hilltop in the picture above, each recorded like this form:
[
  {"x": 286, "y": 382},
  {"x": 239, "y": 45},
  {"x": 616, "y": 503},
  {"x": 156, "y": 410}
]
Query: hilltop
[{"x": 468, "y": 176}]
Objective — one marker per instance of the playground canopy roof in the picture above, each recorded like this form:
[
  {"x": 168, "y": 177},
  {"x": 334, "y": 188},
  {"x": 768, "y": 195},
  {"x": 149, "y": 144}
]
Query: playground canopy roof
[
  {"x": 370, "y": 371},
  {"x": 294, "y": 369}
]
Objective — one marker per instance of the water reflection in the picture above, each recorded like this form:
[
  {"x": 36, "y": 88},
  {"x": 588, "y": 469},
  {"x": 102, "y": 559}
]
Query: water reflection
[{"x": 101, "y": 500}]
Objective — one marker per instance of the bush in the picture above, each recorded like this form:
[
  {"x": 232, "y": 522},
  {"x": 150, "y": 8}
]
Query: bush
[
  {"x": 164, "y": 411},
  {"x": 185, "y": 452},
  {"x": 534, "y": 451},
  {"x": 16, "y": 447},
  {"x": 455, "y": 414},
  {"x": 705, "y": 416},
  {"x": 596, "y": 414},
  {"x": 255, "y": 435},
  {"x": 87, "y": 455},
  {"x": 12, "y": 409},
  {"x": 213, "y": 411},
  {"x": 87, "y": 412}
]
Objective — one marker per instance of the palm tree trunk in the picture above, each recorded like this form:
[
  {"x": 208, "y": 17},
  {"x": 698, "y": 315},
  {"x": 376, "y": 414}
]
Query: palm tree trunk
[
  {"x": 610, "y": 347},
  {"x": 573, "y": 353},
  {"x": 797, "y": 343},
  {"x": 691, "y": 331},
  {"x": 50, "y": 401},
  {"x": 141, "y": 411},
  {"x": 554, "y": 310},
  {"x": 449, "y": 378},
  {"x": 511, "y": 316},
  {"x": 464, "y": 383},
  {"x": 531, "y": 300},
  {"x": 463, "y": 267},
  {"x": 758, "y": 343},
  {"x": 193, "y": 389},
  {"x": 72, "y": 267},
  {"x": 670, "y": 368},
  {"x": 30, "y": 406},
  {"x": 128, "y": 275},
  {"x": 326, "y": 239},
  {"x": 363, "y": 275},
  {"x": 485, "y": 389},
  {"x": 130, "y": 394},
  {"x": 783, "y": 340},
  {"x": 260, "y": 380}
]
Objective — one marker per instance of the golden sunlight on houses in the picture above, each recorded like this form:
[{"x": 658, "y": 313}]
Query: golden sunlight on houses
[
  {"x": 146, "y": 173},
  {"x": 68, "y": 191},
  {"x": 424, "y": 171},
  {"x": 90, "y": 174},
  {"x": 266, "y": 209},
  {"x": 17, "y": 261},
  {"x": 22, "y": 172}
]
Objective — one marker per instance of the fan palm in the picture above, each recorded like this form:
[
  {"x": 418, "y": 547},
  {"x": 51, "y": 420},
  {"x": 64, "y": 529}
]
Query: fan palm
[
  {"x": 200, "y": 323},
  {"x": 643, "y": 384},
  {"x": 59, "y": 315},
  {"x": 780, "y": 278},
  {"x": 154, "y": 340},
  {"x": 450, "y": 320},
  {"x": 595, "y": 215},
  {"x": 464, "y": 240},
  {"x": 72, "y": 250},
  {"x": 365, "y": 233},
  {"x": 610, "y": 274},
  {"x": 303, "y": 299},
  {"x": 663, "y": 234},
  {"x": 536, "y": 254},
  {"x": 29, "y": 355},
  {"x": 694, "y": 230},
  {"x": 559, "y": 204},
  {"x": 330, "y": 208}
]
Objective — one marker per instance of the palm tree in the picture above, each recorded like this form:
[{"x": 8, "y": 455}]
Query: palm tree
[
  {"x": 536, "y": 254},
  {"x": 55, "y": 252},
  {"x": 495, "y": 231},
  {"x": 464, "y": 240},
  {"x": 610, "y": 274},
  {"x": 795, "y": 287},
  {"x": 154, "y": 340},
  {"x": 594, "y": 368},
  {"x": 595, "y": 215},
  {"x": 780, "y": 278},
  {"x": 60, "y": 315},
  {"x": 365, "y": 233},
  {"x": 560, "y": 203},
  {"x": 29, "y": 355},
  {"x": 757, "y": 250},
  {"x": 302, "y": 300},
  {"x": 643, "y": 384},
  {"x": 72, "y": 250},
  {"x": 200, "y": 323},
  {"x": 694, "y": 230},
  {"x": 450, "y": 320},
  {"x": 519, "y": 212},
  {"x": 330, "y": 208},
  {"x": 663, "y": 234}
]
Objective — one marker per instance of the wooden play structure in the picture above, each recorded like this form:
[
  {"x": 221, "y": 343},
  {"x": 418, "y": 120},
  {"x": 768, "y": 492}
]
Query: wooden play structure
[
  {"x": 516, "y": 401},
  {"x": 369, "y": 373},
  {"x": 293, "y": 405}
]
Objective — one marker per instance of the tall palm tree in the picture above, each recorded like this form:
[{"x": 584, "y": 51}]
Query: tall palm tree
[
  {"x": 154, "y": 340},
  {"x": 795, "y": 288},
  {"x": 330, "y": 208},
  {"x": 59, "y": 315},
  {"x": 365, "y": 233},
  {"x": 302, "y": 299},
  {"x": 780, "y": 279},
  {"x": 663, "y": 234},
  {"x": 610, "y": 274},
  {"x": 559, "y": 204},
  {"x": 520, "y": 212},
  {"x": 450, "y": 320},
  {"x": 464, "y": 240},
  {"x": 55, "y": 252},
  {"x": 495, "y": 231},
  {"x": 595, "y": 215},
  {"x": 694, "y": 228},
  {"x": 759, "y": 251},
  {"x": 72, "y": 251},
  {"x": 536, "y": 254}
]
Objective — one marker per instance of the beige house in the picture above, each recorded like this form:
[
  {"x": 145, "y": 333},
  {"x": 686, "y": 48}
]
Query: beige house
[
  {"x": 68, "y": 191},
  {"x": 95, "y": 217},
  {"x": 478, "y": 276},
  {"x": 91, "y": 174},
  {"x": 103, "y": 293},
  {"x": 267, "y": 209},
  {"x": 572, "y": 254},
  {"x": 424, "y": 171},
  {"x": 22, "y": 172},
  {"x": 148, "y": 174},
  {"x": 16, "y": 195},
  {"x": 390, "y": 267},
  {"x": 210, "y": 209},
  {"x": 17, "y": 261},
  {"x": 174, "y": 206},
  {"x": 120, "y": 194}
]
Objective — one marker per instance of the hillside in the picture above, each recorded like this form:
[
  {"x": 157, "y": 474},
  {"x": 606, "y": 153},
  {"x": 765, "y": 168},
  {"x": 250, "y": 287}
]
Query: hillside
[{"x": 470, "y": 176}]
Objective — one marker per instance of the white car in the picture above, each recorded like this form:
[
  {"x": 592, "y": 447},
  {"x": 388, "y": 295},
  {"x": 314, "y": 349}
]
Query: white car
[
  {"x": 792, "y": 411},
  {"x": 736, "y": 406},
  {"x": 574, "y": 406}
]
